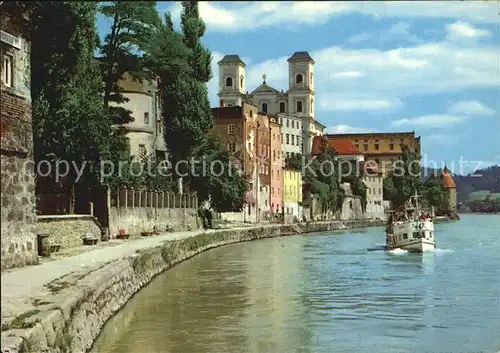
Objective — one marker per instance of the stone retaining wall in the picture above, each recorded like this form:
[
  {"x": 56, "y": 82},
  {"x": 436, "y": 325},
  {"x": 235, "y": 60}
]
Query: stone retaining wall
[
  {"x": 70, "y": 317},
  {"x": 68, "y": 230}
]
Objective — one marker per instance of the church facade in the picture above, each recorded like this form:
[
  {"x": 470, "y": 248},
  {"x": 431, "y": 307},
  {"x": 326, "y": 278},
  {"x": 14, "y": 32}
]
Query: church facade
[{"x": 297, "y": 101}]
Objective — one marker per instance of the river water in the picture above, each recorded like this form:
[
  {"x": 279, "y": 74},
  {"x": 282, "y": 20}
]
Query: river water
[{"x": 323, "y": 293}]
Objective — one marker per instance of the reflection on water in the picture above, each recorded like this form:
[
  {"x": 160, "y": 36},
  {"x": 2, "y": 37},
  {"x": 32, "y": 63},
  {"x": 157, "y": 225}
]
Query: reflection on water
[{"x": 322, "y": 293}]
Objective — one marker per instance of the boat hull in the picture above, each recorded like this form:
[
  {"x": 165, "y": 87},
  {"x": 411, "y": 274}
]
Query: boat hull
[
  {"x": 416, "y": 246},
  {"x": 413, "y": 236}
]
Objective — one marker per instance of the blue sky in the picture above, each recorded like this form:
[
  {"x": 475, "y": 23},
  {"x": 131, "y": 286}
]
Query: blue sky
[{"x": 432, "y": 67}]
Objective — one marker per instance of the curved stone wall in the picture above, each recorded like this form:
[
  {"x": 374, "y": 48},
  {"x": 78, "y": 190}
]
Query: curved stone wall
[{"x": 69, "y": 318}]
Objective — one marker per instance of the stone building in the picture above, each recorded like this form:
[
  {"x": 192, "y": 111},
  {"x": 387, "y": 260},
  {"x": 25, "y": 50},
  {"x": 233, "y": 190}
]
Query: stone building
[
  {"x": 374, "y": 181},
  {"x": 382, "y": 148},
  {"x": 291, "y": 135},
  {"x": 276, "y": 165},
  {"x": 145, "y": 133},
  {"x": 449, "y": 206},
  {"x": 18, "y": 228},
  {"x": 297, "y": 101},
  {"x": 247, "y": 135}
]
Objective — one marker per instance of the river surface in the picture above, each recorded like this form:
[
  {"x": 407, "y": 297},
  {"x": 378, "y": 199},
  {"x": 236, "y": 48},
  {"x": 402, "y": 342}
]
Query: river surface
[{"x": 323, "y": 293}]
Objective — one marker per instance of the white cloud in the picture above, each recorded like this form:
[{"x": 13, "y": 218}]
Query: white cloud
[
  {"x": 464, "y": 29},
  {"x": 346, "y": 129},
  {"x": 397, "y": 73},
  {"x": 346, "y": 103},
  {"x": 347, "y": 74},
  {"x": 221, "y": 16},
  {"x": 463, "y": 32},
  {"x": 431, "y": 121},
  {"x": 471, "y": 108}
]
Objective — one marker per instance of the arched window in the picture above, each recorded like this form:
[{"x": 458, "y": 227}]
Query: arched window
[
  {"x": 241, "y": 81},
  {"x": 299, "y": 106},
  {"x": 299, "y": 78},
  {"x": 264, "y": 107},
  {"x": 229, "y": 82}
]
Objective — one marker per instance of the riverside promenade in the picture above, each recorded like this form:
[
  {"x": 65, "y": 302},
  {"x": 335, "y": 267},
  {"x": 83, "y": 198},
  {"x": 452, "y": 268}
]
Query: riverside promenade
[
  {"x": 20, "y": 286},
  {"x": 60, "y": 306}
]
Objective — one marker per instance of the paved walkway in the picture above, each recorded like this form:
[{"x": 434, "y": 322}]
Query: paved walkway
[{"x": 21, "y": 285}]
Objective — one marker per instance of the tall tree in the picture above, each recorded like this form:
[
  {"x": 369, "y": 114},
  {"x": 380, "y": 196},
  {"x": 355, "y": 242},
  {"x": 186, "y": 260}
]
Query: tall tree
[
  {"x": 187, "y": 113},
  {"x": 66, "y": 88}
]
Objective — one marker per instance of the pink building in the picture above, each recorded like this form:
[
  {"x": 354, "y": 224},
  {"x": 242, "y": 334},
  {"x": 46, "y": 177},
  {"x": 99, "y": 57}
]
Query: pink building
[{"x": 276, "y": 166}]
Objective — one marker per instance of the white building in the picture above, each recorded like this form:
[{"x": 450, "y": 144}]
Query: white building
[
  {"x": 297, "y": 101},
  {"x": 145, "y": 133},
  {"x": 374, "y": 182},
  {"x": 291, "y": 135}
]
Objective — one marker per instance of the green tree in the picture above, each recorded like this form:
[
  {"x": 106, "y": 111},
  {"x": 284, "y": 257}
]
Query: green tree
[
  {"x": 405, "y": 179},
  {"x": 68, "y": 123},
  {"x": 433, "y": 192},
  {"x": 294, "y": 162},
  {"x": 186, "y": 110},
  {"x": 322, "y": 173}
]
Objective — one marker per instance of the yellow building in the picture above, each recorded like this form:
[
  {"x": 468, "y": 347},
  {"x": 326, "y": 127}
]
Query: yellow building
[
  {"x": 292, "y": 195},
  {"x": 382, "y": 148}
]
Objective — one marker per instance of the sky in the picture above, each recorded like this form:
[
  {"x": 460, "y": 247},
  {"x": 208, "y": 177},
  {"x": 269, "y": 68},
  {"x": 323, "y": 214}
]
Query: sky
[{"x": 431, "y": 67}]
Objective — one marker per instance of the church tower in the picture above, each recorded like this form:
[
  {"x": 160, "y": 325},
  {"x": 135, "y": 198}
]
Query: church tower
[
  {"x": 231, "y": 80},
  {"x": 301, "y": 94}
]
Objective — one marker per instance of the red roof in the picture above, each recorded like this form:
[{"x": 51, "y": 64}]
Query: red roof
[
  {"x": 344, "y": 147},
  {"x": 447, "y": 181}
]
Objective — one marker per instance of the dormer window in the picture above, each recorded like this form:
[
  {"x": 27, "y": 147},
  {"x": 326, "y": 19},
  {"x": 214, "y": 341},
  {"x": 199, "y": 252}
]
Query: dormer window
[
  {"x": 299, "y": 78},
  {"x": 229, "y": 82},
  {"x": 299, "y": 107},
  {"x": 264, "y": 107}
]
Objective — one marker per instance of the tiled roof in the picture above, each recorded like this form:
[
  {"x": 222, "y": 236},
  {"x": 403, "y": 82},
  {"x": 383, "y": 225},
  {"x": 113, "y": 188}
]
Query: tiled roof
[
  {"x": 231, "y": 58},
  {"x": 344, "y": 147},
  {"x": 316, "y": 145},
  {"x": 447, "y": 181},
  {"x": 300, "y": 56}
]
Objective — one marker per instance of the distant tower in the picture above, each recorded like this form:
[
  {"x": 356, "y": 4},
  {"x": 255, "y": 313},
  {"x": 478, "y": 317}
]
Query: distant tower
[
  {"x": 301, "y": 93},
  {"x": 450, "y": 193},
  {"x": 231, "y": 80}
]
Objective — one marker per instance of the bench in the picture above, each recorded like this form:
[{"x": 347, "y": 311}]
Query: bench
[
  {"x": 55, "y": 247},
  {"x": 90, "y": 239}
]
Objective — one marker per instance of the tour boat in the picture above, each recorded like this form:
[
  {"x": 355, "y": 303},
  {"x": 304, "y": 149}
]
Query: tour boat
[{"x": 410, "y": 229}]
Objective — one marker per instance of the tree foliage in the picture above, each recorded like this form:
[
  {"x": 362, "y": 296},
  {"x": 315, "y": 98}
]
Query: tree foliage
[
  {"x": 324, "y": 178},
  {"x": 404, "y": 180},
  {"x": 433, "y": 191},
  {"x": 68, "y": 123}
]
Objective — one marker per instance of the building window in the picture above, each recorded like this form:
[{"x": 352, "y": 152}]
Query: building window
[
  {"x": 264, "y": 107},
  {"x": 7, "y": 70},
  {"x": 287, "y": 140},
  {"x": 274, "y": 155},
  {"x": 251, "y": 113},
  {"x": 229, "y": 82},
  {"x": 282, "y": 107},
  {"x": 230, "y": 129},
  {"x": 287, "y": 122},
  {"x": 142, "y": 150},
  {"x": 365, "y": 147},
  {"x": 311, "y": 79},
  {"x": 312, "y": 105},
  {"x": 377, "y": 146},
  {"x": 299, "y": 107},
  {"x": 158, "y": 127},
  {"x": 293, "y": 124},
  {"x": 298, "y": 142},
  {"x": 282, "y": 138},
  {"x": 146, "y": 118},
  {"x": 391, "y": 146},
  {"x": 299, "y": 78},
  {"x": 293, "y": 139},
  {"x": 231, "y": 147},
  {"x": 241, "y": 81}
]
